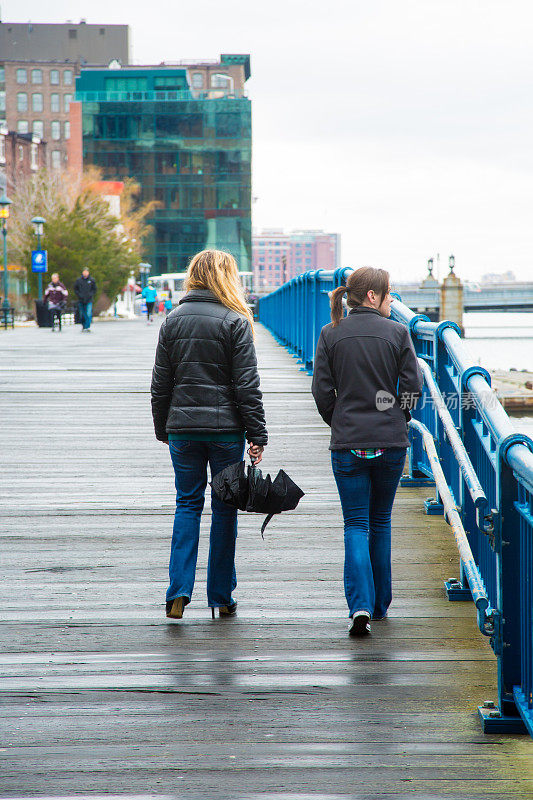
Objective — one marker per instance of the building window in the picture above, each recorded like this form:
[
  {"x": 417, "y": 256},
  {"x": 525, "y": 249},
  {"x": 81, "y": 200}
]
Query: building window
[
  {"x": 37, "y": 102},
  {"x": 22, "y": 126},
  {"x": 67, "y": 130},
  {"x": 73, "y": 33},
  {"x": 36, "y": 76},
  {"x": 221, "y": 81},
  {"x": 38, "y": 128},
  {"x": 2, "y": 75},
  {"x": 22, "y": 101},
  {"x": 56, "y": 158},
  {"x": 2, "y": 101},
  {"x": 67, "y": 100},
  {"x": 55, "y": 106},
  {"x": 55, "y": 128},
  {"x": 22, "y": 76},
  {"x": 197, "y": 80},
  {"x": 34, "y": 156},
  {"x": 3, "y": 149},
  {"x": 54, "y": 77},
  {"x": 67, "y": 77},
  {"x": 228, "y": 125},
  {"x": 21, "y": 152}
]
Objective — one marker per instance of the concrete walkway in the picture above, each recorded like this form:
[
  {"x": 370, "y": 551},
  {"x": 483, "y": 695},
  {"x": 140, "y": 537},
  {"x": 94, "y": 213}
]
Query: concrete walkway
[{"x": 101, "y": 695}]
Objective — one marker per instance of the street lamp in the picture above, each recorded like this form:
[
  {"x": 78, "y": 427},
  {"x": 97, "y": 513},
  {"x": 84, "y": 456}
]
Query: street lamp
[
  {"x": 38, "y": 228},
  {"x": 144, "y": 269},
  {"x": 5, "y": 202}
]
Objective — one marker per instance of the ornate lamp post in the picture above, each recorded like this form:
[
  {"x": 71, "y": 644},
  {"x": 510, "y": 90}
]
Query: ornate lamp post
[
  {"x": 5, "y": 202},
  {"x": 38, "y": 228},
  {"x": 145, "y": 270}
]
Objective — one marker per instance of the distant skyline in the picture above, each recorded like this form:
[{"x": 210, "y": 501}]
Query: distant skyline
[{"x": 403, "y": 125}]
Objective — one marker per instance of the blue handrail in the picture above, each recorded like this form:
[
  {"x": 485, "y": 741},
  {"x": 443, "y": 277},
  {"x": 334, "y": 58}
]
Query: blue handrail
[{"x": 495, "y": 502}]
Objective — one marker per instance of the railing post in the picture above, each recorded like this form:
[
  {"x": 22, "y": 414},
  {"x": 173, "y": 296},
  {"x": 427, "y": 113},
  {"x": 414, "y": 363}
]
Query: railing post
[{"x": 507, "y": 639}]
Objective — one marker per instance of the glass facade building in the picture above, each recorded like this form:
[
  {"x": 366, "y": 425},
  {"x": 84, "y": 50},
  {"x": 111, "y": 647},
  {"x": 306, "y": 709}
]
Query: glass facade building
[{"x": 184, "y": 133}]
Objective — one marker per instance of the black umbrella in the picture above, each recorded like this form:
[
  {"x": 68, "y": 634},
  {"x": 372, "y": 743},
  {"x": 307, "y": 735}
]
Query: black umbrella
[{"x": 247, "y": 489}]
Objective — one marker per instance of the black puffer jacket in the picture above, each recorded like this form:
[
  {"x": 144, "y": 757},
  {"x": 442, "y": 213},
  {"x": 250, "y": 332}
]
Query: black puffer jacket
[{"x": 205, "y": 375}]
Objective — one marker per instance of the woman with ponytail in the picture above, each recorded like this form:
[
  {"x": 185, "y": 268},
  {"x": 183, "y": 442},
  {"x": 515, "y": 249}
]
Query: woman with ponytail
[
  {"x": 366, "y": 378},
  {"x": 205, "y": 401}
]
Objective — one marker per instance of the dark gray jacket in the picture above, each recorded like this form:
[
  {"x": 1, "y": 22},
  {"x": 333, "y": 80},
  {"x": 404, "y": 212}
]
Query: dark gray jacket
[
  {"x": 85, "y": 289},
  {"x": 365, "y": 371},
  {"x": 205, "y": 375}
]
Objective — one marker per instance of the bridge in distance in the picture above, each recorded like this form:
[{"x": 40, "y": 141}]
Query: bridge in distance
[{"x": 476, "y": 297}]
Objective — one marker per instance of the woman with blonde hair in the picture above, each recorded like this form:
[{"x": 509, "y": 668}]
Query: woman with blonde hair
[{"x": 205, "y": 402}]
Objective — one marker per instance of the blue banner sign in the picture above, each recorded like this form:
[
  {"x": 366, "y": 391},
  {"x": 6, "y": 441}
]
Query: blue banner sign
[{"x": 39, "y": 261}]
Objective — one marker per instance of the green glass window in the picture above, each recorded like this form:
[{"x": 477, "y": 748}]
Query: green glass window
[
  {"x": 126, "y": 84},
  {"x": 228, "y": 125},
  {"x": 184, "y": 126}
]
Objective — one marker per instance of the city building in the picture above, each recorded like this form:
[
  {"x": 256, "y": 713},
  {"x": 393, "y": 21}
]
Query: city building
[
  {"x": 183, "y": 131},
  {"x": 21, "y": 154},
  {"x": 279, "y": 256},
  {"x": 38, "y": 67}
]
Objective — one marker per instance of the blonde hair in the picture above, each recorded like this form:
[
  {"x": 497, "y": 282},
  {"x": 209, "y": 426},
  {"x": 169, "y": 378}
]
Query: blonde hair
[{"x": 217, "y": 271}]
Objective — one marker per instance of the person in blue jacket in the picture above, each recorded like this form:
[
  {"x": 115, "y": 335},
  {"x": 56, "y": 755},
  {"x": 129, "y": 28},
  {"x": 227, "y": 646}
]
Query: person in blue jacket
[{"x": 150, "y": 296}]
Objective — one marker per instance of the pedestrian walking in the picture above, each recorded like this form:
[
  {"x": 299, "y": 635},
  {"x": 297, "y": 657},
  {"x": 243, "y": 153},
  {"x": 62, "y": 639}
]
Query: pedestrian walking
[
  {"x": 149, "y": 293},
  {"x": 56, "y": 297},
  {"x": 205, "y": 402},
  {"x": 85, "y": 289},
  {"x": 167, "y": 306},
  {"x": 365, "y": 367}
]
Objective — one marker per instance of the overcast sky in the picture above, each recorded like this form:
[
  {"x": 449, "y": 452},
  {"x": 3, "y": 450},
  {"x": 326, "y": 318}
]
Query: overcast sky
[{"x": 407, "y": 127}]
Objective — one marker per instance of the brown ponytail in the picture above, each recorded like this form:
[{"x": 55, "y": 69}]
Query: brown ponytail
[
  {"x": 359, "y": 283},
  {"x": 337, "y": 311}
]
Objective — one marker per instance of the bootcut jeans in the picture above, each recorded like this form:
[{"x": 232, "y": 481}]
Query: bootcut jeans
[
  {"x": 367, "y": 487},
  {"x": 190, "y": 460}
]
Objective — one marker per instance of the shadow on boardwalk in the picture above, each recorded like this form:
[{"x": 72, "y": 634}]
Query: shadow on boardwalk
[{"x": 100, "y": 694}]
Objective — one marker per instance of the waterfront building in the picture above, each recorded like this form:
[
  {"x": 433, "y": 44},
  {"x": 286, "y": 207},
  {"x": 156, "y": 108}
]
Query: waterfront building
[
  {"x": 183, "y": 131},
  {"x": 38, "y": 67},
  {"x": 279, "y": 256}
]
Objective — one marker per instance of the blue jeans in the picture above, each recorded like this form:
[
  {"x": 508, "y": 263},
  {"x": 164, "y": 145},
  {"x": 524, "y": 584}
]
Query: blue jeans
[
  {"x": 367, "y": 487},
  {"x": 190, "y": 460},
  {"x": 86, "y": 314}
]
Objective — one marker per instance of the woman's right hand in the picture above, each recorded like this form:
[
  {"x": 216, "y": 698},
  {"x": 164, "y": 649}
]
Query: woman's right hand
[{"x": 255, "y": 451}]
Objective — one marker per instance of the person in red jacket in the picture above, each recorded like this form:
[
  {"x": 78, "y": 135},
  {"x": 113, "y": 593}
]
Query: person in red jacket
[{"x": 56, "y": 297}]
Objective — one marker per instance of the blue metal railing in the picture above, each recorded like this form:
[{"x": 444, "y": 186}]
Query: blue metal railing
[{"x": 495, "y": 504}]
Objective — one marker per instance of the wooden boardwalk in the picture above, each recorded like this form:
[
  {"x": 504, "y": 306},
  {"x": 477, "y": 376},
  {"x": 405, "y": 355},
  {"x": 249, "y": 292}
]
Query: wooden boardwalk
[{"x": 101, "y": 695}]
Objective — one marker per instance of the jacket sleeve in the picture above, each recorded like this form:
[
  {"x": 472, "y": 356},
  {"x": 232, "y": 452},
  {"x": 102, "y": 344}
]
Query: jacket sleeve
[
  {"x": 77, "y": 288},
  {"x": 323, "y": 386},
  {"x": 162, "y": 387},
  {"x": 410, "y": 378},
  {"x": 94, "y": 289},
  {"x": 245, "y": 377}
]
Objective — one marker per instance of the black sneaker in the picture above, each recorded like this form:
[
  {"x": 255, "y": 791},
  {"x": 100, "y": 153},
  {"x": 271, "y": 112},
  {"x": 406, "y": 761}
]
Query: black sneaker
[{"x": 360, "y": 624}]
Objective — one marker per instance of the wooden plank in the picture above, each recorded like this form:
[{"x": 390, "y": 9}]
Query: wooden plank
[{"x": 100, "y": 694}]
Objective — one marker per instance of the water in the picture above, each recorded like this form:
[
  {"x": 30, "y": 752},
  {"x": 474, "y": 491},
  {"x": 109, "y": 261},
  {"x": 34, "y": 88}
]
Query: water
[{"x": 501, "y": 341}]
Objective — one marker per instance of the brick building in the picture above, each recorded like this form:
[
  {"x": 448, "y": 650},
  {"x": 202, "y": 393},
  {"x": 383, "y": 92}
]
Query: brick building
[
  {"x": 21, "y": 154},
  {"x": 38, "y": 68},
  {"x": 277, "y": 256}
]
